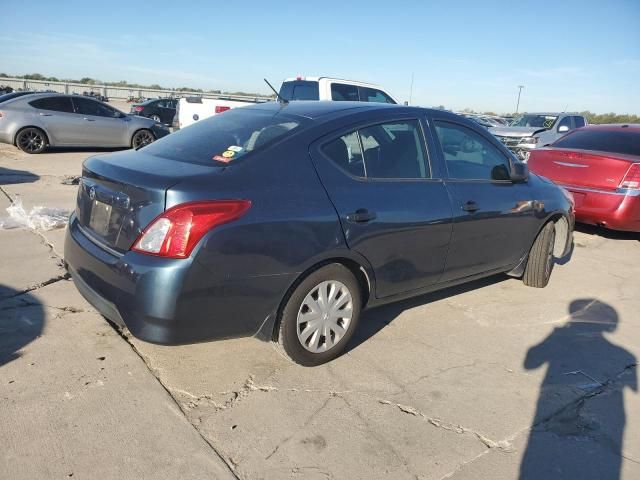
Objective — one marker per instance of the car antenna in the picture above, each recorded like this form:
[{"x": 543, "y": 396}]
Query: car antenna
[{"x": 280, "y": 99}]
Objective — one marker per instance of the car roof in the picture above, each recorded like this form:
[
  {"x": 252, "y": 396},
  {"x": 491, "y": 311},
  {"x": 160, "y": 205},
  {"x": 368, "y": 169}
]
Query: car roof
[
  {"x": 635, "y": 127},
  {"x": 554, "y": 114},
  {"x": 314, "y": 109}
]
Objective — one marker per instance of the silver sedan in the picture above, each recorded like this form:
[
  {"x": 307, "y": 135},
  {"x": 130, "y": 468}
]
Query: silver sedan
[{"x": 35, "y": 122}]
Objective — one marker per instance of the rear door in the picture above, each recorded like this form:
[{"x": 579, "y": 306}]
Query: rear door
[
  {"x": 103, "y": 125},
  {"x": 63, "y": 126},
  {"x": 493, "y": 217},
  {"x": 394, "y": 209}
]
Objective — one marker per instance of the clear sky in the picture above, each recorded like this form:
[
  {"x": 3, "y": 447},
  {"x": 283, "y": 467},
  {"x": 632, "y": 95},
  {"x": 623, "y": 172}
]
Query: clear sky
[{"x": 578, "y": 55}]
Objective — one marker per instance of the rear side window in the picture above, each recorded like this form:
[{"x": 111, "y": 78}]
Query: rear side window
[
  {"x": 226, "y": 137},
  {"x": 341, "y": 92},
  {"x": 469, "y": 155},
  {"x": 56, "y": 104},
  {"x": 373, "y": 95},
  {"x": 388, "y": 150},
  {"x": 623, "y": 141},
  {"x": 300, "y": 90}
]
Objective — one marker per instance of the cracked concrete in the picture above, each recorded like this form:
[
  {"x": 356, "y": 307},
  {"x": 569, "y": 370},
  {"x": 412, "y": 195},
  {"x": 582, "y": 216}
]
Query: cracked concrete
[{"x": 492, "y": 380}]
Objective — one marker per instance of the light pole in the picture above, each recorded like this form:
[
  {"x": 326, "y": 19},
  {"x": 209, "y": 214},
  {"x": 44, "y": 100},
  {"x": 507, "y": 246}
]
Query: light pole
[{"x": 520, "y": 87}]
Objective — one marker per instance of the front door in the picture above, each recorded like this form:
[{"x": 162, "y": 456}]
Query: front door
[
  {"x": 392, "y": 209},
  {"x": 492, "y": 216},
  {"x": 103, "y": 126}
]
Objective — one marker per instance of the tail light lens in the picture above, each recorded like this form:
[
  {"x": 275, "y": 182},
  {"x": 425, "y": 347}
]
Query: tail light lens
[
  {"x": 220, "y": 109},
  {"x": 632, "y": 178},
  {"x": 177, "y": 231},
  {"x": 138, "y": 108}
]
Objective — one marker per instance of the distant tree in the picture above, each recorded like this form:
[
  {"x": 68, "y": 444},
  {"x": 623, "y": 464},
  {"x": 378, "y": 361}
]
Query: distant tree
[
  {"x": 4, "y": 75},
  {"x": 34, "y": 76}
]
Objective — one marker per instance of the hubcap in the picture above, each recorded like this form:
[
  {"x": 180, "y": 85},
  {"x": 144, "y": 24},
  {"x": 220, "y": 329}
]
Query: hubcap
[
  {"x": 142, "y": 139},
  {"x": 324, "y": 316}
]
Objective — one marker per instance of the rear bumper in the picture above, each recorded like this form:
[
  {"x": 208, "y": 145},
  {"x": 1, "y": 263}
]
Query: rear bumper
[
  {"x": 168, "y": 301},
  {"x": 615, "y": 209}
]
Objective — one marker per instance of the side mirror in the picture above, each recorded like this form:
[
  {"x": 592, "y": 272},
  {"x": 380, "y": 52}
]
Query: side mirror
[
  {"x": 563, "y": 128},
  {"x": 519, "y": 172}
]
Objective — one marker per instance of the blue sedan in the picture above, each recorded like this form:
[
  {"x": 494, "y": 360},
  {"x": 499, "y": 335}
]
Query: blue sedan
[{"x": 285, "y": 221}]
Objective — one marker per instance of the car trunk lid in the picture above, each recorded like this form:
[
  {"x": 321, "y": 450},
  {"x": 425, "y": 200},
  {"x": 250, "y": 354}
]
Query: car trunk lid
[
  {"x": 582, "y": 168},
  {"x": 121, "y": 193}
]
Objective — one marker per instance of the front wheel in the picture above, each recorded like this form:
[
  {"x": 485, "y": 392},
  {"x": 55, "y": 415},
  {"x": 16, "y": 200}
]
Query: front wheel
[
  {"x": 540, "y": 262},
  {"x": 142, "y": 138},
  {"x": 320, "y": 316},
  {"x": 31, "y": 140}
]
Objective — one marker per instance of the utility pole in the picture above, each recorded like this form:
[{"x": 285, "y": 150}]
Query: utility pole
[
  {"x": 411, "y": 89},
  {"x": 520, "y": 87}
]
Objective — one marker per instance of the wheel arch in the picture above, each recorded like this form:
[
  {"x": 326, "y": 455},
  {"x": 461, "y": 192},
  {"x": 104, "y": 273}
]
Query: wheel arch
[
  {"x": 357, "y": 265},
  {"x": 43, "y": 130}
]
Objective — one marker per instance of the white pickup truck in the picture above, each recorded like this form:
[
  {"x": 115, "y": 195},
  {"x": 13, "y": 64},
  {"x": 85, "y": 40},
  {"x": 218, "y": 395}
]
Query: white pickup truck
[{"x": 191, "y": 109}]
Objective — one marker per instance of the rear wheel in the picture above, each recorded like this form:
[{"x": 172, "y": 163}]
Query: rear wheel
[
  {"x": 155, "y": 118},
  {"x": 540, "y": 262},
  {"x": 31, "y": 140},
  {"x": 320, "y": 316},
  {"x": 142, "y": 138}
]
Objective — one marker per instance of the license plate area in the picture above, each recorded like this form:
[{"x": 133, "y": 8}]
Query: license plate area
[{"x": 100, "y": 217}]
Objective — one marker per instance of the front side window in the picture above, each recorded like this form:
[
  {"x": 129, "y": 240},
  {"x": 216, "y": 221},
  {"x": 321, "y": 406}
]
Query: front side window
[
  {"x": 579, "y": 122},
  {"x": 341, "y": 92},
  {"x": 565, "y": 122},
  {"x": 388, "y": 150},
  {"x": 84, "y": 106},
  {"x": 469, "y": 155},
  {"x": 373, "y": 95},
  {"x": 56, "y": 104}
]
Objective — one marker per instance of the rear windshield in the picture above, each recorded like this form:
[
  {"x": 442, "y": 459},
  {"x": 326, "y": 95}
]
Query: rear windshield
[
  {"x": 300, "y": 90},
  {"x": 623, "y": 141},
  {"x": 226, "y": 137}
]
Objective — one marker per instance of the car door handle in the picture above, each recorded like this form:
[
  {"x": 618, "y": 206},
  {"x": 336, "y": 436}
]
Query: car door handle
[
  {"x": 42, "y": 114},
  {"x": 89, "y": 119},
  {"x": 362, "y": 215},
  {"x": 470, "y": 206}
]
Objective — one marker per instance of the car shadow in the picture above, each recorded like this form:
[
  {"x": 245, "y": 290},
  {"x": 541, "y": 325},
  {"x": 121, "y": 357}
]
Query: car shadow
[
  {"x": 377, "y": 318},
  {"x": 582, "y": 438},
  {"x": 9, "y": 176},
  {"x": 21, "y": 322},
  {"x": 83, "y": 149},
  {"x": 606, "y": 233}
]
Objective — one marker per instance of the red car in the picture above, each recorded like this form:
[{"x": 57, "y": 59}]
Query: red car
[{"x": 600, "y": 166}]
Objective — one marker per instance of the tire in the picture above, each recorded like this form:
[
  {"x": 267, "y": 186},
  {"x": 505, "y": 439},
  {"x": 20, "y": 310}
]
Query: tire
[
  {"x": 156, "y": 118},
  {"x": 141, "y": 138},
  {"x": 31, "y": 140},
  {"x": 311, "y": 347},
  {"x": 540, "y": 262}
]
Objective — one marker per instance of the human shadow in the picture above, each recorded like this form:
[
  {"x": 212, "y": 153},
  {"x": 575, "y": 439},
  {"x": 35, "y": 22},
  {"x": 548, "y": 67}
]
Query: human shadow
[
  {"x": 580, "y": 419},
  {"x": 21, "y": 322},
  {"x": 10, "y": 176}
]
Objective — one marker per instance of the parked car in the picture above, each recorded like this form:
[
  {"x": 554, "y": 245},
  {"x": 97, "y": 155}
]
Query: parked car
[
  {"x": 35, "y": 122},
  {"x": 191, "y": 110},
  {"x": 326, "y": 88},
  {"x": 284, "y": 221},
  {"x": 161, "y": 110},
  {"x": 96, "y": 95},
  {"x": 600, "y": 166},
  {"x": 535, "y": 130}
]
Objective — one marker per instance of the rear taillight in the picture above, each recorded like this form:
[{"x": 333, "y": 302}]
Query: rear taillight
[
  {"x": 138, "y": 108},
  {"x": 177, "y": 231},
  {"x": 220, "y": 109},
  {"x": 632, "y": 178}
]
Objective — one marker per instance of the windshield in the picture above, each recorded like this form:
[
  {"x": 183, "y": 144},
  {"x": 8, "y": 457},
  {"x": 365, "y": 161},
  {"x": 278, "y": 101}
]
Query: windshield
[
  {"x": 538, "y": 121},
  {"x": 226, "y": 137},
  {"x": 626, "y": 142},
  {"x": 300, "y": 90}
]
